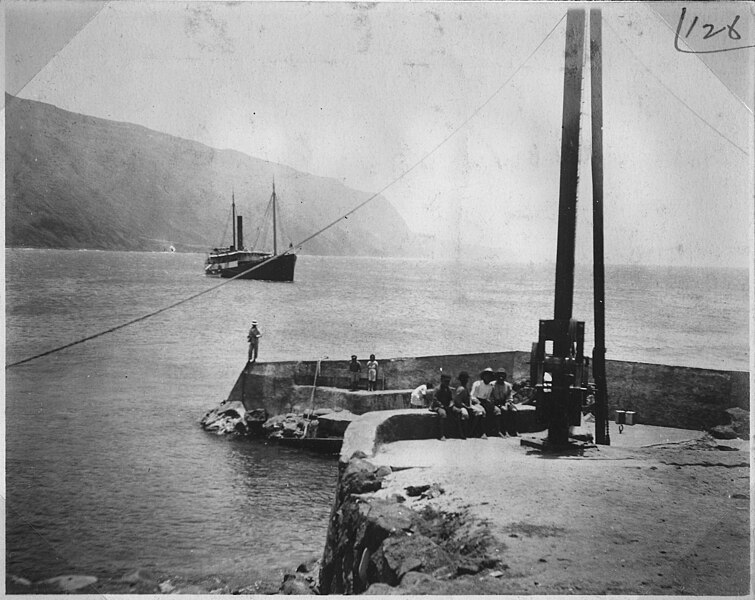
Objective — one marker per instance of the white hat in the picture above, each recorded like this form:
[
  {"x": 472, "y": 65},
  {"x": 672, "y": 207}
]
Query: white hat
[{"x": 254, "y": 322}]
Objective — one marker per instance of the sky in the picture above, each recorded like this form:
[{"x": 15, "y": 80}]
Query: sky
[{"x": 364, "y": 92}]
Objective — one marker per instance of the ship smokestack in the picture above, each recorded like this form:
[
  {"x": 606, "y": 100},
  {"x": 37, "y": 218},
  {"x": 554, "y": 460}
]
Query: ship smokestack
[{"x": 240, "y": 232}]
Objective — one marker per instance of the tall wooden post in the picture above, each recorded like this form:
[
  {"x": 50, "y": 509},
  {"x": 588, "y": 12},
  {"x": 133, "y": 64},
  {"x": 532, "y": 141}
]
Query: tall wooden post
[
  {"x": 602, "y": 435},
  {"x": 567, "y": 202},
  {"x": 558, "y": 426}
]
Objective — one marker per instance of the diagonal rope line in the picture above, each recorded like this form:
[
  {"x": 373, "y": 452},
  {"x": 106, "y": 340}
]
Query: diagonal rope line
[
  {"x": 309, "y": 238},
  {"x": 670, "y": 91},
  {"x": 438, "y": 145},
  {"x": 141, "y": 318}
]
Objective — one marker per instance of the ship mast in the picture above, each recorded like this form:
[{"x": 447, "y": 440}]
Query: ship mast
[
  {"x": 275, "y": 237},
  {"x": 233, "y": 217}
]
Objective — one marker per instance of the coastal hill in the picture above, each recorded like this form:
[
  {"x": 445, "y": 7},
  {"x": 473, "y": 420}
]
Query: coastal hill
[{"x": 75, "y": 181}]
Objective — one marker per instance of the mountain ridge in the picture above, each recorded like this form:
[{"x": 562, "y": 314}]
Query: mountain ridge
[{"x": 77, "y": 181}]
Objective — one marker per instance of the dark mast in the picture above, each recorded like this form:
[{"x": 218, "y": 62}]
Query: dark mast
[
  {"x": 602, "y": 435},
  {"x": 275, "y": 234}
]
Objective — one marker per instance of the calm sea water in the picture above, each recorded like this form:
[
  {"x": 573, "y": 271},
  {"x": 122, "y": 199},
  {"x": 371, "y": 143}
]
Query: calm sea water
[{"x": 107, "y": 469}]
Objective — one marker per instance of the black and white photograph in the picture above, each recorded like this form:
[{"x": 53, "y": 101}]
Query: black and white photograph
[{"x": 387, "y": 298}]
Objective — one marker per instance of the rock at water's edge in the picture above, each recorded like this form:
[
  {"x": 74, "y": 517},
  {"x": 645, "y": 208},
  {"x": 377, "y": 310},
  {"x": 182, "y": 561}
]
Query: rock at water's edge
[{"x": 68, "y": 583}]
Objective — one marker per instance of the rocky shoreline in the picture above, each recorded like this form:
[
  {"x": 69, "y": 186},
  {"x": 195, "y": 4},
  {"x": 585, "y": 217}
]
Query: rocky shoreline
[
  {"x": 382, "y": 546},
  {"x": 490, "y": 517},
  {"x": 231, "y": 418},
  {"x": 302, "y": 580}
]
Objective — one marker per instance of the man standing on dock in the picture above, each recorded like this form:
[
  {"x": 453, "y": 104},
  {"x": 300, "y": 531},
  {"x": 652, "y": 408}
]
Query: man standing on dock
[
  {"x": 254, "y": 342},
  {"x": 355, "y": 372}
]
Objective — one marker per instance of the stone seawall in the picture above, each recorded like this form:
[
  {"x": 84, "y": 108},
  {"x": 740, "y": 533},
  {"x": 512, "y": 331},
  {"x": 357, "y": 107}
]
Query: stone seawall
[
  {"x": 423, "y": 516},
  {"x": 377, "y": 543},
  {"x": 669, "y": 396}
]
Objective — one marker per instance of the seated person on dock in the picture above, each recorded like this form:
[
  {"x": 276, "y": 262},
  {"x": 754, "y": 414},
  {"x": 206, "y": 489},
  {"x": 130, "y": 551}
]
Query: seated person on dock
[
  {"x": 441, "y": 404},
  {"x": 588, "y": 408},
  {"x": 372, "y": 367},
  {"x": 418, "y": 395},
  {"x": 460, "y": 406},
  {"x": 501, "y": 398},
  {"x": 481, "y": 406},
  {"x": 523, "y": 393},
  {"x": 355, "y": 370}
]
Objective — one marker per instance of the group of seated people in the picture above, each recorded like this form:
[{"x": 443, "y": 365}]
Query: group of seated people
[{"x": 485, "y": 409}]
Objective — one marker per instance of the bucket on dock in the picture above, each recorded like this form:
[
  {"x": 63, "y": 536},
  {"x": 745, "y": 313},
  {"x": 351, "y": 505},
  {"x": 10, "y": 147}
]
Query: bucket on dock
[
  {"x": 630, "y": 417},
  {"x": 621, "y": 417}
]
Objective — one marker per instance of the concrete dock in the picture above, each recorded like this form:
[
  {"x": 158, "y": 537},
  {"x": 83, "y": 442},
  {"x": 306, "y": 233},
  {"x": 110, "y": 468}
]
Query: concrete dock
[
  {"x": 660, "y": 511},
  {"x": 665, "y": 509}
]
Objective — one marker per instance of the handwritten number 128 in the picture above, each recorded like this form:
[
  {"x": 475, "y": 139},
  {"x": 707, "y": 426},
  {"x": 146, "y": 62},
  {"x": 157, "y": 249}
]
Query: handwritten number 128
[{"x": 733, "y": 33}]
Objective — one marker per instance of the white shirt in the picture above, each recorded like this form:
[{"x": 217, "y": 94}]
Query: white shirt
[
  {"x": 481, "y": 390},
  {"x": 418, "y": 396}
]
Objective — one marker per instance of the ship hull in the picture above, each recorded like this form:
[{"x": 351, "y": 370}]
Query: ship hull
[{"x": 275, "y": 268}]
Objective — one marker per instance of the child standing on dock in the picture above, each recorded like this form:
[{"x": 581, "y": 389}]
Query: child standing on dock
[
  {"x": 372, "y": 367},
  {"x": 254, "y": 342}
]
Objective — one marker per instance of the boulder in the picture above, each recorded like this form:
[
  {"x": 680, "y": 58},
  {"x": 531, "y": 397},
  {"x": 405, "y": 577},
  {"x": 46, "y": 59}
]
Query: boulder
[
  {"x": 18, "y": 580},
  {"x": 359, "y": 477},
  {"x": 16, "y": 585},
  {"x": 723, "y": 432},
  {"x": 274, "y": 422},
  {"x": 137, "y": 576},
  {"x": 740, "y": 421},
  {"x": 191, "y": 589},
  {"x": 140, "y": 581},
  {"x": 289, "y": 425},
  {"x": 229, "y": 417},
  {"x": 292, "y": 428},
  {"x": 68, "y": 583},
  {"x": 399, "y": 555},
  {"x": 295, "y": 585},
  {"x": 383, "y": 589},
  {"x": 387, "y": 518},
  {"x": 416, "y": 490},
  {"x": 310, "y": 566},
  {"x": 256, "y": 414}
]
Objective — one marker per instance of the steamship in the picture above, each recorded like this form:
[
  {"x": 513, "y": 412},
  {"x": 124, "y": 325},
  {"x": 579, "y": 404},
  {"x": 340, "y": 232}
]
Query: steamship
[{"x": 237, "y": 261}]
